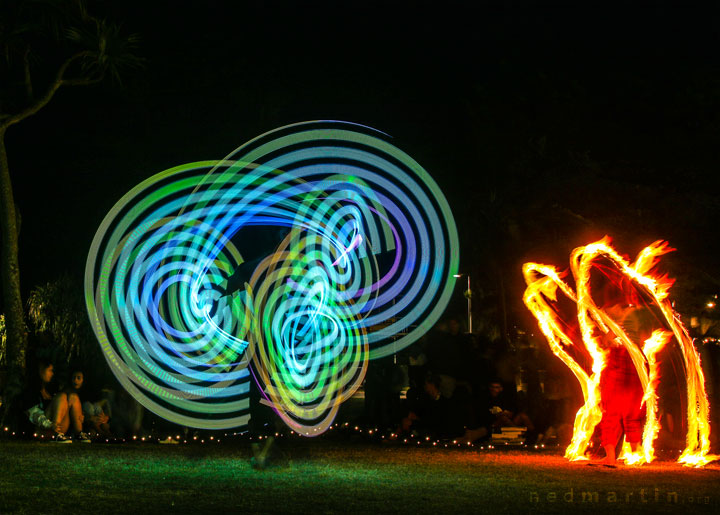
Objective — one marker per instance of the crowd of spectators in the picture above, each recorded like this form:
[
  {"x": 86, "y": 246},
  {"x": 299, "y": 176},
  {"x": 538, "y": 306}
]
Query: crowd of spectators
[
  {"x": 67, "y": 409},
  {"x": 454, "y": 385},
  {"x": 449, "y": 385}
]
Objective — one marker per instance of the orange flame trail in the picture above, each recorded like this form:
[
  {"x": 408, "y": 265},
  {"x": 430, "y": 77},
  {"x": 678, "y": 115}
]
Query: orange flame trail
[{"x": 540, "y": 297}]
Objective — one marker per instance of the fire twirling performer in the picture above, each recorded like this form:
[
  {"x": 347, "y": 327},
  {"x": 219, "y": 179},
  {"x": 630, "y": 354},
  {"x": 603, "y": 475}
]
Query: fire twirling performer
[{"x": 620, "y": 387}]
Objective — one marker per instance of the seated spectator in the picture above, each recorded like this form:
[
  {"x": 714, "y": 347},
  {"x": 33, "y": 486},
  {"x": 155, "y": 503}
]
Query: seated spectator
[
  {"x": 95, "y": 420},
  {"x": 53, "y": 413},
  {"x": 97, "y": 417},
  {"x": 557, "y": 414},
  {"x": 435, "y": 414},
  {"x": 127, "y": 413},
  {"x": 501, "y": 410}
]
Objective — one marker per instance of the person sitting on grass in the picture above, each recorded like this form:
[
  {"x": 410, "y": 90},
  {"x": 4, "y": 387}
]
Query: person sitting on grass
[
  {"x": 72, "y": 391},
  {"x": 97, "y": 417},
  {"x": 434, "y": 413},
  {"x": 126, "y": 414},
  {"x": 95, "y": 420},
  {"x": 502, "y": 409},
  {"x": 53, "y": 413}
]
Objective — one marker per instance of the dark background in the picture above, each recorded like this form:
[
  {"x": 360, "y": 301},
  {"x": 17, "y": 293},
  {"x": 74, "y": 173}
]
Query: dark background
[{"x": 546, "y": 126}]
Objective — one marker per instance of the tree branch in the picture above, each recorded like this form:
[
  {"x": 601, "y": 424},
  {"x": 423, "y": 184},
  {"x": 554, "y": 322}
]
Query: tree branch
[
  {"x": 43, "y": 100},
  {"x": 83, "y": 81}
]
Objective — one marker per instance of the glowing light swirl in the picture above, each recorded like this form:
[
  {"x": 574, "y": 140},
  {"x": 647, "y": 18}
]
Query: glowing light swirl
[
  {"x": 363, "y": 269},
  {"x": 540, "y": 297}
]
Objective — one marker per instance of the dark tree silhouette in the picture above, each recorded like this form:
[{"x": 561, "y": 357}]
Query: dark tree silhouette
[{"x": 45, "y": 45}]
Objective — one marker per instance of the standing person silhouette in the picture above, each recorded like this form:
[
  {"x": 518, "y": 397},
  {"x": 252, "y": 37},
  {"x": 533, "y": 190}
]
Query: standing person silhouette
[{"x": 621, "y": 391}]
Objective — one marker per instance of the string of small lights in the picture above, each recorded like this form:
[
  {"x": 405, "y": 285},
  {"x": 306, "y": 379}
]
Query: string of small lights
[{"x": 346, "y": 432}]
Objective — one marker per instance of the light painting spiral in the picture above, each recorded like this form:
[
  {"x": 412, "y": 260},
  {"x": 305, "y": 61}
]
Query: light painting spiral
[{"x": 291, "y": 262}]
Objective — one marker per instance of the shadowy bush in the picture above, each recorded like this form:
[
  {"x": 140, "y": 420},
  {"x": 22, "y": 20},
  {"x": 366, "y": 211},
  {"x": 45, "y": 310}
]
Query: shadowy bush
[{"x": 60, "y": 329}]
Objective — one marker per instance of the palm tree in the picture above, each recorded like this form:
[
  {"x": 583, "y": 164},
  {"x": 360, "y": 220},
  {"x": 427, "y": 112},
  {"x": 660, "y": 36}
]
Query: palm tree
[{"x": 44, "y": 45}]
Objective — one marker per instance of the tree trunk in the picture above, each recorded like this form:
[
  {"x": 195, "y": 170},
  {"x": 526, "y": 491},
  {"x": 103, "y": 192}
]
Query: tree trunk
[{"x": 10, "y": 273}]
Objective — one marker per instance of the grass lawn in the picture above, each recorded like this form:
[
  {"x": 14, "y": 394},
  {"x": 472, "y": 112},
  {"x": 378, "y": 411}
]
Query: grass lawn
[{"x": 329, "y": 476}]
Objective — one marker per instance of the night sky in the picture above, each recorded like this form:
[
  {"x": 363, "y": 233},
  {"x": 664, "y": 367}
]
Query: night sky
[{"x": 545, "y": 126}]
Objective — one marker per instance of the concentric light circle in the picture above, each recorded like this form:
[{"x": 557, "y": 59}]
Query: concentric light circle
[{"x": 363, "y": 248}]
